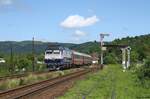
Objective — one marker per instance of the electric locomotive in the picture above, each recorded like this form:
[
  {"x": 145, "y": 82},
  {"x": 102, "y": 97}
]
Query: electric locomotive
[{"x": 59, "y": 57}]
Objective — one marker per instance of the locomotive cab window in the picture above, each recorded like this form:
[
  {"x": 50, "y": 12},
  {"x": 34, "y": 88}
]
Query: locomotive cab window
[
  {"x": 49, "y": 52},
  {"x": 56, "y": 52}
]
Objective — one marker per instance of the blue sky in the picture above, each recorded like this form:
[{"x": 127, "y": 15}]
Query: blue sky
[{"x": 74, "y": 21}]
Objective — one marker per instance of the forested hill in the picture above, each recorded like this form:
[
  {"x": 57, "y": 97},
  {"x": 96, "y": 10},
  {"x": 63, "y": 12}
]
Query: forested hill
[
  {"x": 25, "y": 47},
  {"x": 142, "y": 41},
  {"x": 88, "y": 47},
  {"x": 140, "y": 46}
]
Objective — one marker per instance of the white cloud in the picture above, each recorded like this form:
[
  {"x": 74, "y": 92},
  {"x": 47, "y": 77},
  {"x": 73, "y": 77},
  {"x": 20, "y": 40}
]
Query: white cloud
[
  {"x": 20, "y": 5},
  {"x": 78, "y": 36},
  {"x": 76, "y": 21},
  {"x": 79, "y": 33},
  {"x": 6, "y": 2}
]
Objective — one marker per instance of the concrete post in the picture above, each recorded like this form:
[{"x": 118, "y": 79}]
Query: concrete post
[
  {"x": 124, "y": 58},
  {"x": 128, "y": 52}
]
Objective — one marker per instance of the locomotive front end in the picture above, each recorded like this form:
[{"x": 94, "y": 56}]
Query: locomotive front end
[{"x": 53, "y": 58}]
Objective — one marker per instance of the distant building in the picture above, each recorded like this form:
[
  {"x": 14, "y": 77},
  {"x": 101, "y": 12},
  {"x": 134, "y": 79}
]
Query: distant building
[
  {"x": 2, "y": 60},
  {"x": 40, "y": 62},
  {"x": 95, "y": 58}
]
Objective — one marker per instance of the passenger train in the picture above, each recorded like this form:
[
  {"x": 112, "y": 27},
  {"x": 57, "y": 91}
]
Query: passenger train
[{"x": 59, "y": 57}]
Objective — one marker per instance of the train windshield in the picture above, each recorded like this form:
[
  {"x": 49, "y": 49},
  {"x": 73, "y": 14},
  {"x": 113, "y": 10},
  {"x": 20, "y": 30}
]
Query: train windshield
[
  {"x": 49, "y": 52},
  {"x": 56, "y": 52}
]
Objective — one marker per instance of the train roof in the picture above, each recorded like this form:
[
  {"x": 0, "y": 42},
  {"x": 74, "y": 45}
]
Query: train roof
[
  {"x": 81, "y": 54},
  {"x": 56, "y": 47}
]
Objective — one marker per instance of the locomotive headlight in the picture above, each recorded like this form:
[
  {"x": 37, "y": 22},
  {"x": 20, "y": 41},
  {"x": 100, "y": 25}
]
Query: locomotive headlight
[{"x": 128, "y": 48}]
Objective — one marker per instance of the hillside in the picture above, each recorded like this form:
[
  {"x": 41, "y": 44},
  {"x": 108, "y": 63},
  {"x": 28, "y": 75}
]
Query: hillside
[
  {"x": 140, "y": 46},
  {"x": 24, "y": 47},
  {"x": 88, "y": 47}
]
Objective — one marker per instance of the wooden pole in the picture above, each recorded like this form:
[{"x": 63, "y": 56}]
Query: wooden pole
[{"x": 33, "y": 56}]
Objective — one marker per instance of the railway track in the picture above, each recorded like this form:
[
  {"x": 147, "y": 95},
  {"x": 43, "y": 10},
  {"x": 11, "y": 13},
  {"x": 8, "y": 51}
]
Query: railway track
[{"x": 28, "y": 90}]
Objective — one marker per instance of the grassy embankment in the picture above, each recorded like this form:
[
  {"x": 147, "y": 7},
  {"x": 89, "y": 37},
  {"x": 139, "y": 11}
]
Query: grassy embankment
[
  {"x": 32, "y": 78},
  {"x": 110, "y": 83}
]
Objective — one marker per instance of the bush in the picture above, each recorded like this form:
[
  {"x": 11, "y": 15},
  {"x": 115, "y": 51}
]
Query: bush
[
  {"x": 110, "y": 59},
  {"x": 24, "y": 63},
  {"x": 8, "y": 84},
  {"x": 143, "y": 72},
  {"x": 30, "y": 79}
]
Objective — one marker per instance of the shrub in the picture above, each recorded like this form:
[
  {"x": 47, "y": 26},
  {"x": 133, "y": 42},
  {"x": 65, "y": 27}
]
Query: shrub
[
  {"x": 143, "y": 72},
  {"x": 110, "y": 59},
  {"x": 8, "y": 84},
  {"x": 13, "y": 83}
]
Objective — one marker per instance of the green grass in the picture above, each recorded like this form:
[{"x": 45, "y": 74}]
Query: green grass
[{"x": 110, "y": 83}]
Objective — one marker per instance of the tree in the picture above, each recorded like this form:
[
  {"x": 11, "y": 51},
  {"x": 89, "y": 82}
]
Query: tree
[
  {"x": 24, "y": 63},
  {"x": 1, "y": 55},
  {"x": 40, "y": 57},
  {"x": 110, "y": 59},
  {"x": 134, "y": 56},
  {"x": 143, "y": 73}
]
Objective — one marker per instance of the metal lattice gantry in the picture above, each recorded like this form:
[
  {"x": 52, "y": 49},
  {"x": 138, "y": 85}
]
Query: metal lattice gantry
[{"x": 125, "y": 54}]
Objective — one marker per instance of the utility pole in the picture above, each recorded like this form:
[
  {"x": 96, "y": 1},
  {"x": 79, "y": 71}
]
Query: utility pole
[
  {"x": 11, "y": 58},
  {"x": 101, "y": 45},
  {"x": 33, "y": 55},
  {"x": 101, "y": 41}
]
